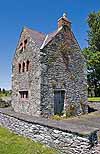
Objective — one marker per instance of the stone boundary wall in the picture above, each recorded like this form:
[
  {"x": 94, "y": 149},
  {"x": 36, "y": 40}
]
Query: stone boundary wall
[
  {"x": 5, "y": 103},
  {"x": 66, "y": 141}
]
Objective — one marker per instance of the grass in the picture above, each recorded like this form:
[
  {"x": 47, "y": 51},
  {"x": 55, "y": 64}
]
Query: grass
[
  {"x": 94, "y": 99},
  {"x": 4, "y": 95},
  {"x": 11, "y": 143}
]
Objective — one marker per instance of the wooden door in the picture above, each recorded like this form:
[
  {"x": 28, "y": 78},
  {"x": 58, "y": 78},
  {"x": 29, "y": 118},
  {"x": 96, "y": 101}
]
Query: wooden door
[{"x": 58, "y": 101}]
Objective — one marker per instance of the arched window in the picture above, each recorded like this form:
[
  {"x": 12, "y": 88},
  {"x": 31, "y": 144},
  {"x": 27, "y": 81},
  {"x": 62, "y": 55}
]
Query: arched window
[
  {"x": 19, "y": 68},
  {"x": 23, "y": 69},
  {"x": 27, "y": 65}
]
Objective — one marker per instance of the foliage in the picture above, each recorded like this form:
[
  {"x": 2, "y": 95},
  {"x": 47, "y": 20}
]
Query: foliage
[
  {"x": 5, "y": 93},
  {"x": 71, "y": 111},
  {"x": 92, "y": 53},
  {"x": 56, "y": 117},
  {"x": 94, "y": 31},
  {"x": 14, "y": 144},
  {"x": 94, "y": 99}
]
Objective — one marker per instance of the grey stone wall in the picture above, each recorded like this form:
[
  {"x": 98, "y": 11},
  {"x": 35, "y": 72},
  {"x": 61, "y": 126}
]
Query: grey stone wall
[
  {"x": 26, "y": 81},
  {"x": 65, "y": 71},
  {"x": 64, "y": 141},
  {"x": 50, "y": 69}
]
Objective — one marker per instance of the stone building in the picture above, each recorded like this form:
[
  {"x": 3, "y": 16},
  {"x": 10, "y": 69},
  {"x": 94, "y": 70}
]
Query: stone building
[{"x": 49, "y": 73}]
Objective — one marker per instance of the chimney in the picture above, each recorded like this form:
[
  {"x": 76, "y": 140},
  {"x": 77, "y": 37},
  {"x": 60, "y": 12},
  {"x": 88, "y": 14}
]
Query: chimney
[{"x": 63, "y": 21}]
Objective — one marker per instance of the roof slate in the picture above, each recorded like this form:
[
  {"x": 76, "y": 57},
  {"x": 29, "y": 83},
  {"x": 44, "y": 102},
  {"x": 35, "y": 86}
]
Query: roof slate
[
  {"x": 48, "y": 38},
  {"x": 41, "y": 39},
  {"x": 38, "y": 37}
]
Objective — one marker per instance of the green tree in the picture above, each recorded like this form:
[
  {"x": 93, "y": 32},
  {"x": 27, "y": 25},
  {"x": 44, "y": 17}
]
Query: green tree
[
  {"x": 3, "y": 90},
  {"x": 92, "y": 53}
]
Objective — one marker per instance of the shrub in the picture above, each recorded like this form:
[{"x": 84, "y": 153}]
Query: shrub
[
  {"x": 56, "y": 117},
  {"x": 71, "y": 110}
]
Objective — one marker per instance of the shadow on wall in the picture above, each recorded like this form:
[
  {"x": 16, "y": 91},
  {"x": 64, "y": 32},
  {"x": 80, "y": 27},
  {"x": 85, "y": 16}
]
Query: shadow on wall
[{"x": 91, "y": 109}]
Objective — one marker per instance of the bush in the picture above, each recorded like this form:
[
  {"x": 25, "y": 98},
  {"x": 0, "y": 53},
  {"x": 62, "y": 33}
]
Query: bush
[
  {"x": 56, "y": 117},
  {"x": 71, "y": 111}
]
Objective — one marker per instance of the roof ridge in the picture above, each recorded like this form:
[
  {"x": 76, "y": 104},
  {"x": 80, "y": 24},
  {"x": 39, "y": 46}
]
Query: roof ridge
[
  {"x": 49, "y": 37},
  {"x": 44, "y": 42}
]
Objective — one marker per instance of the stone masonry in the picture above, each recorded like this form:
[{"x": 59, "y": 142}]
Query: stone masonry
[
  {"x": 65, "y": 138},
  {"x": 49, "y": 73}
]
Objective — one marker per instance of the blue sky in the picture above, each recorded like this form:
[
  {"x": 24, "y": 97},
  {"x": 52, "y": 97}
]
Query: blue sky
[{"x": 41, "y": 15}]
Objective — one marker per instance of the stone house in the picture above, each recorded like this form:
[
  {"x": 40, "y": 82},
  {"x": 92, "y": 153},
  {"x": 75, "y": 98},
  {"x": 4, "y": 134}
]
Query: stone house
[{"x": 49, "y": 73}]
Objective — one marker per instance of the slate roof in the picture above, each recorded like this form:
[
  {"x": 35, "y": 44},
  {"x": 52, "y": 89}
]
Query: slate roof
[
  {"x": 41, "y": 39},
  {"x": 48, "y": 38},
  {"x": 38, "y": 37}
]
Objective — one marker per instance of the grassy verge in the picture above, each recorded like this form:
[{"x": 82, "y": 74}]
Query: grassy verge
[
  {"x": 94, "y": 99},
  {"x": 11, "y": 143},
  {"x": 4, "y": 95}
]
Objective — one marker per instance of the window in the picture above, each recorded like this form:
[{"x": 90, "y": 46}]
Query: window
[
  {"x": 19, "y": 67},
  {"x": 27, "y": 65},
  {"x": 23, "y": 66},
  {"x": 23, "y": 69},
  {"x": 23, "y": 94},
  {"x": 26, "y": 94},
  {"x": 23, "y": 45},
  {"x": 25, "y": 42}
]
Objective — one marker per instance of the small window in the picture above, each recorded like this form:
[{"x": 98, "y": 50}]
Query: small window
[
  {"x": 23, "y": 69},
  {"x": 19, "y": 67},
  {"x": 26, "y": 94},
  {"x": 23, "y": 94},
  {"x": 21, "y": 46},
  {"x": 27, "y": 65},
  {"x": 25, "y": 42}
]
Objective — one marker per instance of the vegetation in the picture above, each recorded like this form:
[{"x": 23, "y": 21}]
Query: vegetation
[
  {"x": 57, "y": 117},
  {"x": 71, "y": 111},
  {"x": 14, "y": 144},
  {"x": 5, "y": 93},
  {"x": 92, "y": 54},
  {"x": 94, "y": 99}
]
